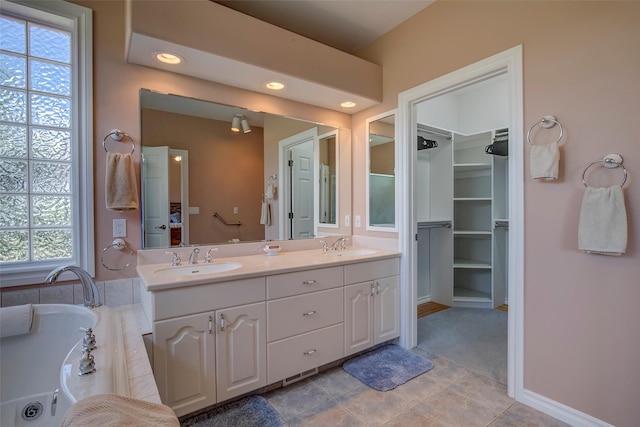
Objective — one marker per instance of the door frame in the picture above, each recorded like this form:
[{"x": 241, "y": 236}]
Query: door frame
[{"x": 509, "y": 62}]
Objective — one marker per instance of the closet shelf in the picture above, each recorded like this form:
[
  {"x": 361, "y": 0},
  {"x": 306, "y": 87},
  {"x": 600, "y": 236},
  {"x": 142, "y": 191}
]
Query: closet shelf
[
  {"x": 472, "y": 199},
  {"x": 470, "y": 263},
  {"x": 471, "y": 166},
  {"x": 472, "y": 232}
]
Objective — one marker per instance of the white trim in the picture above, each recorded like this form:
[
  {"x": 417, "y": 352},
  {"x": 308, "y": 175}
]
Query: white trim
[
  {"x": 368, "y": 121},
  {"x": 82, "y": 50},
  {"x": 561, "y": 411},
  {"x": 509, "y": 61}
]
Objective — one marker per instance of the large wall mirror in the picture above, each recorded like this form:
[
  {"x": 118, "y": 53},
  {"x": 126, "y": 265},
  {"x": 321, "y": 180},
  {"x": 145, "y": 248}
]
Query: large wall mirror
[
  {"x": 381, "y": 180},
  {"x": 204, "y": 183}
]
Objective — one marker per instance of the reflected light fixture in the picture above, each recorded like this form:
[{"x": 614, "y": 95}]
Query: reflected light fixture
[
  {"x": 245, "y": 126},
  {"x": 235, "y": 123},
  {"x": 178, "y": 158},
  {"x": 168, "y": 58}
]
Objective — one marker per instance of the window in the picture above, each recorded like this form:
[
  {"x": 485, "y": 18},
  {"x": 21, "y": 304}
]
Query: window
[{"x": 46, "y": 155}]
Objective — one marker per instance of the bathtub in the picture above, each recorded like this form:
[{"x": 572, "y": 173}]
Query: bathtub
[{"x": 39, "y": 370}]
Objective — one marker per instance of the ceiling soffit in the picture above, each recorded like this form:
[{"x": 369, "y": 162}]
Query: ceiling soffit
[{"x": 228, "y": 47}]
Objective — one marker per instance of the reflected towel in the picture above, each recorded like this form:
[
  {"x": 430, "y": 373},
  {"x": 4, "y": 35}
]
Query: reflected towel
[
  {"x": 15, "y": 320},
  {"x": 265, "y": 214},
  {"x": 121, "y": 190},
  {"x": 116, "y": 410},
  {"x": 544, "y": 161},
  {"x": 602, "y": 228}
]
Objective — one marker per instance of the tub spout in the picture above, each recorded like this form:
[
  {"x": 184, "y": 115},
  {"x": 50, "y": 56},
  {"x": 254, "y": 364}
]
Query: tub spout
[{"x": 89, "y": 288}]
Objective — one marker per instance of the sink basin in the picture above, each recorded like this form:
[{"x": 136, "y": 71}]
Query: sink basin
[
  {"x": 198, "y": 269},
  {"x": 353, "y": 252}
]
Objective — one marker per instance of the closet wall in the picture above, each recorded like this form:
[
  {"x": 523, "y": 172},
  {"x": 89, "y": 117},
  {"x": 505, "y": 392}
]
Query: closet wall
[{"x": 461, "y": 198}]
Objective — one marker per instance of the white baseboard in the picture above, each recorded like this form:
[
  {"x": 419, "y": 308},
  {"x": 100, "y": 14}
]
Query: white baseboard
[
  {"x": 560, "y": 411},
  {"x": 422, "y": 300}
]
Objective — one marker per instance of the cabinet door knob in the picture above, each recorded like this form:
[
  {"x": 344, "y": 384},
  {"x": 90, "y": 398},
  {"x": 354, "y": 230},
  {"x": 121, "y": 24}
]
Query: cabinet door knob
[
  {"x": 309, "y": 282},
  {"x": 309, "y": 313},
  {"x": 309, "y": 352}
]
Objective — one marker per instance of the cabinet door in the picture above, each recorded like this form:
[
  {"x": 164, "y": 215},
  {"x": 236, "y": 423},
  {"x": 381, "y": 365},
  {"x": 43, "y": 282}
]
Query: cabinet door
[
  {"x": 358, "y": 322},
  {"x": 387, "y": 309},
  {"x": 184, "y": 362},
  {"x": 241, "y": 350}
]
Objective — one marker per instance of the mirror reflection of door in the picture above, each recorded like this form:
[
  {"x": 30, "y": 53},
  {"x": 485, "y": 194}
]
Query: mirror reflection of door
[
  {"x": 165, "y": 196},
  {"x": 381, "y": 183},
  {"x": 299, "y": 189},
  {"x": 327, "y": 178}
]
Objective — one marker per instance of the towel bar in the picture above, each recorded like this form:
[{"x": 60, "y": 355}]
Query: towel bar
[
  {"x": 117, "y": 135},
  {"x": 118, "y": 244},
  {"x": 547, "y": 122},
  {"x": 609, "y": 161},
  {"x": 217, "y": 215}
]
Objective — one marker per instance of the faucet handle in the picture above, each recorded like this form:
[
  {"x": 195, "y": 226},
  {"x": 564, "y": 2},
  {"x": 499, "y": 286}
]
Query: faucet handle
[
  {"x": 175, "y": 260},
  {"x": 325, "y": 245},
  {"x": 208, "y": 257}
]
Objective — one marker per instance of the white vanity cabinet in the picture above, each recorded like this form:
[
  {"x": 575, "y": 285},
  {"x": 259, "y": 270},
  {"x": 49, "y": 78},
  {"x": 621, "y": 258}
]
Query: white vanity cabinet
[
  {"x": 219, "y": 340},
  {"x": 203, "y": 358},
  {"x": 371, "y": 304},
  {"x": 305, "y": 321}
]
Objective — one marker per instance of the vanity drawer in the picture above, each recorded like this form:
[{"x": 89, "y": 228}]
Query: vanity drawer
[
  {"x": 304, "y": 313},
  {"x": 213, "y": 296},
  {"x": 370, "y": 270},
  {"x": 301, "y": 282},
  {"x": 303, "y": 352}
]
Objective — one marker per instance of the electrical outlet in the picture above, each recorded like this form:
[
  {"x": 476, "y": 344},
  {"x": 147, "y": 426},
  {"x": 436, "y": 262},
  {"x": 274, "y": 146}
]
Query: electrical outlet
[
  {"x": 357, "y": 221},
  {"x": 119, "y": 228},
  {"x": 235, "y": 210},
  {"x": 347, "y": 220}
]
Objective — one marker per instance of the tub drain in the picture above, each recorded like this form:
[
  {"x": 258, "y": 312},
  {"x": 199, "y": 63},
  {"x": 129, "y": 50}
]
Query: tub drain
[{"x": 32, "y": 411}]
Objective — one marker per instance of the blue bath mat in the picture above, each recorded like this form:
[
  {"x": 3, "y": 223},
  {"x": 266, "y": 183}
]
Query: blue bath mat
[
  {"x": 387, "y": 367},
  {"x": 252, "y": 411}
]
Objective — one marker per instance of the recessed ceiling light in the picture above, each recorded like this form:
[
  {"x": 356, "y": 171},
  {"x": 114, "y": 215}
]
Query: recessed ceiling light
[
  {"x": 348, "y": 104},
  {"x": 274, "y": 85},
  {"x": 168, "y": 58}
]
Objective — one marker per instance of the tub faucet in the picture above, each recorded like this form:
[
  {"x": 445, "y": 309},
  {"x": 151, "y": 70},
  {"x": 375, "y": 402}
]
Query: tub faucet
[{"x": 89, "y": 288}]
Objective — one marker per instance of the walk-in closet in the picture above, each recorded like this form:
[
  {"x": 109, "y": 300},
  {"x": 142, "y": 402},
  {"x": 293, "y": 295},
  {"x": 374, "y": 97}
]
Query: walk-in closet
[{"x": 461, "y": 196}]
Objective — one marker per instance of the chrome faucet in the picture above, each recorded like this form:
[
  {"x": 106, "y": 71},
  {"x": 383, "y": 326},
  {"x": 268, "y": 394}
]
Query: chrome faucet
[
  {"x": 193, "y": 258},
  {"x": 340, "y": 243},
  {"x": 208, "y": 257},
  {"x": 89, "y": 288}
]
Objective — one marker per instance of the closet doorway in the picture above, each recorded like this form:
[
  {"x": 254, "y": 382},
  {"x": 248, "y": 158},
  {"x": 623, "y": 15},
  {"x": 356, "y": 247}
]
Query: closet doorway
[{"x": 455, "y": 193}]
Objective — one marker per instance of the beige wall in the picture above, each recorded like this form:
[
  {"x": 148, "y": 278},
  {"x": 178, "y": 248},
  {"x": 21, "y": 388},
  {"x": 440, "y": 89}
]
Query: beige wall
[
  {"x": 581, "y": 64},
  {"x": 225, "y": 171}
]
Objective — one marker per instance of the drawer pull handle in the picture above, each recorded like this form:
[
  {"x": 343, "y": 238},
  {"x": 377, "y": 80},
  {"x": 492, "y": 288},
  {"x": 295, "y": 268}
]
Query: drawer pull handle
[
  {"x": 309, "y": 352},
  {"x": 309, "y": 313},
  {"x": 221, "y": 322},
  {"x": 209, "y": 324},
  {"x": 309, "y": 282}
]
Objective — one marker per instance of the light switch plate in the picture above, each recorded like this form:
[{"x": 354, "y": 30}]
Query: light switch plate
[
  {"x": 357, "y": 221},
  {"x": 347, "y": 220},
  {"x": 119, "y": 228}
]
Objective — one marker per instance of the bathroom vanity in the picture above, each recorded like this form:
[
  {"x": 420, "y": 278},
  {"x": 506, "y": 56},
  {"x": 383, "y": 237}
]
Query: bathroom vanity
[{"x": 267, "y": 319}]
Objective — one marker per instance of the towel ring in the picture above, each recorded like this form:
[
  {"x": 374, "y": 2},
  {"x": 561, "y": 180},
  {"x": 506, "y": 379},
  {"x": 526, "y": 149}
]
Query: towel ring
[
  {"x": 118, "y": 244},
  {"x": 610, "y": 161},
  {"x": 547, "y": 122},
  {"x": 117, "y": 135}
]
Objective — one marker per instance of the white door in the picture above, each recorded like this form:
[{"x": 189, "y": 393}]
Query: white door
[
  {"x": 298, "y": 173},
  {"x": 184, "y": 362},
  {"x": 302, "y": 190},
  {"x": 241, "y": 350},
  {"x": 155, "y": 196}
]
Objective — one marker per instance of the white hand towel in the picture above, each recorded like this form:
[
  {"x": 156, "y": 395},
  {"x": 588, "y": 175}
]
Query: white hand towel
[
  {"x": 15, "y": 320},
  {"x": 602, "y": 228},
  {"x": 263, "y": 213},
  {"x": 544, "y": 161},
  {"x": 121, "y": 189}
]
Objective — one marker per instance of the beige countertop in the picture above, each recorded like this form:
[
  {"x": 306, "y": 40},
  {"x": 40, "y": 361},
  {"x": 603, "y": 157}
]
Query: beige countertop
[{"x": 255, "y": 265}]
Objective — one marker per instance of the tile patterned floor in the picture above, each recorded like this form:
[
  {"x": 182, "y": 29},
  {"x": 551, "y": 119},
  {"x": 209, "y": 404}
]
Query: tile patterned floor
[{"x": 448, "y": 395}]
